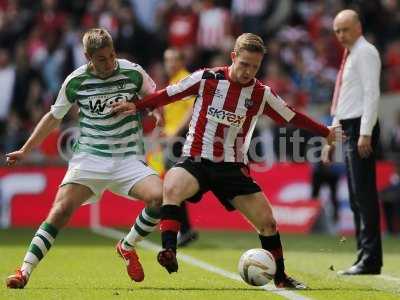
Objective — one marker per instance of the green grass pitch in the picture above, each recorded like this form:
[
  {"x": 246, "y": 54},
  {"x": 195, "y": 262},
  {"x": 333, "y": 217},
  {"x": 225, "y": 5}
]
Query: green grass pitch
[{"x": 84, "y": 265}]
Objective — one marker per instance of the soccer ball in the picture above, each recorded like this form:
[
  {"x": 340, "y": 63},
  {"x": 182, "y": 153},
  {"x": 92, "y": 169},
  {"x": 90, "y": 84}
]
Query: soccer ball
[{"x": 257, "y": 267}]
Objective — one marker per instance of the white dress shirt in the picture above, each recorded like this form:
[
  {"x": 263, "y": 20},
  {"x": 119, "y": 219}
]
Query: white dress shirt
[
  {"x": 359, "y": 90},
  {"x": 7, "y": 79}
]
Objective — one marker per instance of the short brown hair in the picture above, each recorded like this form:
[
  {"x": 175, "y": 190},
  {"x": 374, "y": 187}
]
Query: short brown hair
[
  {"x": 96, "y": 38},
  {"x": 250, "y": 42}
]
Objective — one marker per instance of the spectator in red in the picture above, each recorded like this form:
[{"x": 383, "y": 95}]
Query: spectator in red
[
  {"x": 50, "y": 18},
  {"x": 392, "y": 62},
  {"x": 214, "y": 32},
  {"x": 182, "y": 24}
]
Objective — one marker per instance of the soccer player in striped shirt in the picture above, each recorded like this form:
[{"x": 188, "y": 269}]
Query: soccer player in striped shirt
[
  {"x": 108, "y": 154},
  {"x": 229, "y": 101}
]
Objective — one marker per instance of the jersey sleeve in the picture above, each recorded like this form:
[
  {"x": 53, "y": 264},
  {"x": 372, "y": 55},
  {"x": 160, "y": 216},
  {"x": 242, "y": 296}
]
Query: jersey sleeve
[
  {"x": 280, "y": 112},
  {"x": 148, "y": 85},
  {"x": 63, "y": 104},
  {"x": 276, "y": 108},
  {"x": 189, "y": 86}
]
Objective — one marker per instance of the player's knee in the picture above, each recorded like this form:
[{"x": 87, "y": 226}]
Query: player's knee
[
  {"x": 154, "y": 198},
  {"x": 172, "y": 193}
]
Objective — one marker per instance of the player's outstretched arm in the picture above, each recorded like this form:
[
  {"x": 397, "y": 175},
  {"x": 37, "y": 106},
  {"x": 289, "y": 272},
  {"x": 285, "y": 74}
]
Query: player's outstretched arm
[
  {"x": 188, "y": 86},
  {"x": 150, "y": 102},
  {"x": 332, "y": 134},
  {"x": 41, "y": 131}
]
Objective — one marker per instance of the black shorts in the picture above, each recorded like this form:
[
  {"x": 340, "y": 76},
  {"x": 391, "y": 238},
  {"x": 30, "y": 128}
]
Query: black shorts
[{"x": 225, "y": 179}]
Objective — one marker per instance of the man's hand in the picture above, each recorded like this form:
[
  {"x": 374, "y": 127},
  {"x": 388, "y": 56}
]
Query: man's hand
[
  {"x": 327, "y": 153},
  {"x": 364, "y": 146},
  {"x": 156, "y": 114},
  {"x": 14, "y": 157},
  {"x": 124, "y": 108},
  {"x": 336, "y": 134}
]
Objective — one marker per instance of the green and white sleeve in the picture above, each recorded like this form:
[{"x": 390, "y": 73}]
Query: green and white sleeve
[
  {"x": 62, "y": 105},
  {"x": 148, "y": 85}
]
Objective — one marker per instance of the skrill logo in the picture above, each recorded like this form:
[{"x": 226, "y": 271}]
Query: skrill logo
[{"x": 225, "y": 117}]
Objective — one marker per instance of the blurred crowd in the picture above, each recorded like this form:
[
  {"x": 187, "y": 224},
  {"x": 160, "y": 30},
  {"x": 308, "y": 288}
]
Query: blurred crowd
[{"x": 40, "y": 44}]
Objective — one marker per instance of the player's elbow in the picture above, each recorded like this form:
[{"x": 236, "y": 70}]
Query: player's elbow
[{"x": 172, "y": 193}]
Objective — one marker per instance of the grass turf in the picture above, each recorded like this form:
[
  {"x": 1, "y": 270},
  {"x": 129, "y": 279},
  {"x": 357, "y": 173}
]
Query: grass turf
[{"x": 83, "y": 265}]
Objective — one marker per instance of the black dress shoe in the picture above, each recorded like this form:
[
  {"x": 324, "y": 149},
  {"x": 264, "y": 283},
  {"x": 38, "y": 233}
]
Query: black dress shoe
[{"x": 361, "y": 270}]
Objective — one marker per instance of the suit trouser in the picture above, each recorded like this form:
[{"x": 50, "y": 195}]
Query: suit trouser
[{"x": 361, "y": 176}]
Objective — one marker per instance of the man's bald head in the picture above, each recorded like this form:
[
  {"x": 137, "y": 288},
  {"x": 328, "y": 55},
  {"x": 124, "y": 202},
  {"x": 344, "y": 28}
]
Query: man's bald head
[
  {"x": 347, "y": 27},
  {"x": 348, "y": 15}
]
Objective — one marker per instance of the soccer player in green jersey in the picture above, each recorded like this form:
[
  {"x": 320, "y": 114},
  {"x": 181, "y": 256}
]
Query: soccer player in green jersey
[{"x": 108, "y": 154}]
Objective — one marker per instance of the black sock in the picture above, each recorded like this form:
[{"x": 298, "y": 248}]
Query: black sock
[
  {"x": 169, "y": 225},
  {"x": 169, "y": 240},
  {"x": 273, "y": 244},
  {"x": 185, "y": 225}
]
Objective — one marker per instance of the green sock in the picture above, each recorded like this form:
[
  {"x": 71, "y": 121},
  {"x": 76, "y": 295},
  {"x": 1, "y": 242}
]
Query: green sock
[
  {"x": 145, "y": 223},
  {"x": 40, "y": 244}
]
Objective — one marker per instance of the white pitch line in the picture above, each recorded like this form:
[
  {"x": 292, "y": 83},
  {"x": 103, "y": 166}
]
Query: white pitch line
[{"x": 116, "y": 234}]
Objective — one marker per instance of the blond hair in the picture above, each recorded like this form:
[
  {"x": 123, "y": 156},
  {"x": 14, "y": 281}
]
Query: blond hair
[
  {"x": 96, "y": 38},
  {"x": 250, "y": 42}
]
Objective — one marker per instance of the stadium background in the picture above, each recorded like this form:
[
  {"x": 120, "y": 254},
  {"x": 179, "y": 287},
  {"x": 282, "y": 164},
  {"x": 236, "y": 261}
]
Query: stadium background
[{"x": 40, "y": 44}]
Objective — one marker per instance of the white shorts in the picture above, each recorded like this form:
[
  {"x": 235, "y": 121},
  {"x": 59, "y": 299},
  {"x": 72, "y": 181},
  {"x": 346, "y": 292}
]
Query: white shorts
[{"x": 118, "y": 175}]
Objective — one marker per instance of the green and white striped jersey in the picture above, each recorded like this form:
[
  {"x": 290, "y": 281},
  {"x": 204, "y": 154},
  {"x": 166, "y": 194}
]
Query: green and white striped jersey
[{"x": 101, "y": 132}]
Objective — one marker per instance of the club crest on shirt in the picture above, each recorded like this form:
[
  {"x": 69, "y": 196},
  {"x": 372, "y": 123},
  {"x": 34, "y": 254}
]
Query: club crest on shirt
[
  {"x": 248, "y": 102},
  {"x": 121, "y": 84},
  {"x": 225, "y": 117},
  {"x": 218, "y": 94}
]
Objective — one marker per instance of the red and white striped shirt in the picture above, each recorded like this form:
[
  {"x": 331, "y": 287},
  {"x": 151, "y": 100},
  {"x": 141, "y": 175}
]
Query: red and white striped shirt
[{"x": 225, "y": 113}]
